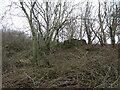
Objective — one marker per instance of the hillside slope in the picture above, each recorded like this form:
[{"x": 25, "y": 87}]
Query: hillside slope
[{"x": 79, "y": 67}]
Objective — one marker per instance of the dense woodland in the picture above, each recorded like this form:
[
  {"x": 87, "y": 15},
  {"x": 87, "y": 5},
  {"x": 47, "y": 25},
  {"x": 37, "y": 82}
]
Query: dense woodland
[{"x": 70, "y": 45}]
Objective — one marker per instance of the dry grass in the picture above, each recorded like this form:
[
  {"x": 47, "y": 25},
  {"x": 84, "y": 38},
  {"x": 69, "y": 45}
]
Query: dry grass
[{"x": 78, "y": 67}]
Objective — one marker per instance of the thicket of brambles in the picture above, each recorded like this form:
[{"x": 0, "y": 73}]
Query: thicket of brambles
[
  {"x": 70, "y": 45},
  {"x": 13, "y": 41},
  {"x": 95, "y": 65},
  {"x": 55, "y": 25}
]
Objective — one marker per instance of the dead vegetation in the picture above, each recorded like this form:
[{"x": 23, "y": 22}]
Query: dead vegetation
[
  {"x": 67, "y": 44},
  {"x": 77, "y": 67}
]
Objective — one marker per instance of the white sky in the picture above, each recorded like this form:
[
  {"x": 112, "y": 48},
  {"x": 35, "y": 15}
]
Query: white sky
[{"x": 20, "y": 23}]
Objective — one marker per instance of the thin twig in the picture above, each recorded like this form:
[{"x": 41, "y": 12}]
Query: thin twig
[{"x": 30, "y": 78}]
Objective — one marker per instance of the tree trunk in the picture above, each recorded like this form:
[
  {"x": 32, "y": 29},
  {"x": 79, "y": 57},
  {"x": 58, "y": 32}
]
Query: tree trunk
[
  {"x": 112, "y": 37},
  {"x": 88, "y": 32},
  {"x": 101, "y": 26},
  {"x": 34, "y": 50}
]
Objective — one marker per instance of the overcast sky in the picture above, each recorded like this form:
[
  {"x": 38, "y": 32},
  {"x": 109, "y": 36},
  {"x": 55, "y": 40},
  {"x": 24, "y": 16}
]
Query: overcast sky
[
  {"x": 20, "y": 23},
  {"x": 15, "y": 22}
]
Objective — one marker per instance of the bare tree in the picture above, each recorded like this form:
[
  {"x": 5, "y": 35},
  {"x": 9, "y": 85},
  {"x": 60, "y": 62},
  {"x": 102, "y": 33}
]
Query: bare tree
[
  {"x": 101, "y": 24},
  {"x": 46, "y": 21},
  {"x": 111, "y": 20},
  {"x": 87, "y": 22}
]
